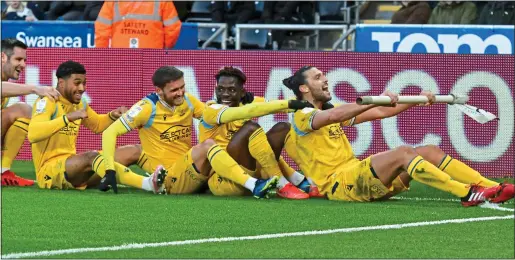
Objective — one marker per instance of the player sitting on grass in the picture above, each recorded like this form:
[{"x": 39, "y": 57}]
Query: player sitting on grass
[
  {"x": 326, "y": 156},
  {"x": 16, "y": 118},
  {"x": 165, "y": 120},
  {"x": 228, "y": 122},
  {"x": 54, "y": 128}
]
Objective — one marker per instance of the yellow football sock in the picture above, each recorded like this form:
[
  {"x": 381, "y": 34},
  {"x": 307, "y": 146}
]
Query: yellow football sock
[
  {"x": 261, "y": 150},
  {"x": 225, "y": 166},
  {"x": 286, "y": 170},
  {"x": 143, "y": 158},
  {"x": 463, "y": 173},
  {"x": 426, "y": 173},
  {"x": 13, "y": 141},
  {"x": 124, "y": 175}
]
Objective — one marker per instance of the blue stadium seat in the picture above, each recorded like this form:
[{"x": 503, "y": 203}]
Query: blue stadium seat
[
  {"x": 254, "y": 39},
  {"x": 330, "y": 11},
  {"x": 260, "y": 5},
  {"x": 201, "y": 7},
  {"x": 200, "y": 12}
]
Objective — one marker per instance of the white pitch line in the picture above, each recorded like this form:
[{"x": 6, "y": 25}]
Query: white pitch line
[
  {"x": 486, "y": 205},
  {"x": 258, "y": 237},
  {"x": 424, "y": 199}
]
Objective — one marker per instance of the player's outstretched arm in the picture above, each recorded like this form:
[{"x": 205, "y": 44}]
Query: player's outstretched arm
[
  {"x": 229, "y": 114},
  {"x": 98, "y": 123},
  {"x": 389, "y": 111},
  {"x": 11, "y": 89},
  {"x": 338, "y": 114},
  {"x": 136, "y": 117},
  {"x": 109, "y": 137}
]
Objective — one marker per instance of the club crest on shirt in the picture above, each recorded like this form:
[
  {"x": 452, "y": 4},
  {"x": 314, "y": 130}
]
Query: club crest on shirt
[
  {"x": 133, "y": 112},
  {"x": 40, "y": 106}
]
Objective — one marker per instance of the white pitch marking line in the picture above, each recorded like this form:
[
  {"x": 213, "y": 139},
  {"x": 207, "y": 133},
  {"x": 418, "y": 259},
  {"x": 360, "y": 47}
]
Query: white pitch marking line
[
  {"x": 258, "y": 237},
  {"x": 486, "y": 205}
]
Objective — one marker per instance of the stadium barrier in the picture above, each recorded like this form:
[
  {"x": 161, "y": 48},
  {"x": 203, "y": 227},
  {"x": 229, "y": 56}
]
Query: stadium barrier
[{"x": 121, "y": 77}]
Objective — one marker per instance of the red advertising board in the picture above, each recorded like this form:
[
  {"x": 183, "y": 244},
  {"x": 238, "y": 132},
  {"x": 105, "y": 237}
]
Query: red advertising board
[{"x": 122, "y": 77}]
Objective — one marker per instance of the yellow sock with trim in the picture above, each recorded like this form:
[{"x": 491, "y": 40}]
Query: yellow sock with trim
[
  {"x": 426, "y": 173},
  {"x": 463, "y": 173},
  {"x": 13, "y": 140},
  {"x": 124, "y": 175},
  {"x": 261, "y": 150},
  {"x": 224, "y": 165}
]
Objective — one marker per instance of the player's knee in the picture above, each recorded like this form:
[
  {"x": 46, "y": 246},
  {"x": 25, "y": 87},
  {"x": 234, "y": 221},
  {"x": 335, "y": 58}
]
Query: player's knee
[
  {"x": 25, "y": 110},
  {"x": 281, "y": 127},
  {"x": 22, "y": 110},
  {"x": 249, "y": 127},
  {"x": 433, "y": 148},
  {"x": 431, "y": 153},
  {"x": 90, "y": 156},
  {"x": 406, "y": 151},
  {"x": 208, "y": 143},
  {"x": 19, "y": 110}
]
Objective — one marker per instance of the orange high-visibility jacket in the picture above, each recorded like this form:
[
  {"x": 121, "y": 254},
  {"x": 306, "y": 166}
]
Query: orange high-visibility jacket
[{"x": 142, "y": 24}]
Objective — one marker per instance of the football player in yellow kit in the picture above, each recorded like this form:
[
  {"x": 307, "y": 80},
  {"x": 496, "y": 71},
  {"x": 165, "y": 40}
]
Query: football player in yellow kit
[
  {"x": 228, "y": 121},
  {"x": 15, "y": 118},
  {"x": 325, "y": 154},
  {"x": 164, "y": 120},
  {"x": 54, "y": 128}
]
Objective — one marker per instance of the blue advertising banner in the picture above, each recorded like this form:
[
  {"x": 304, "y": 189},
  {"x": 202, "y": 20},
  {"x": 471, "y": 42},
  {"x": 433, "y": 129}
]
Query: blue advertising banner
[
  {"x": 76, "y": 34},
  {"x": 462, "y": 39}
]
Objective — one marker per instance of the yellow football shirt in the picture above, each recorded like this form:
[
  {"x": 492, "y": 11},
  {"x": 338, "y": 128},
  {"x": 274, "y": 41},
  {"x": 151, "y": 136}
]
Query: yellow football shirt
[
  {"x": 211, "y": 128},
  {"x": 164, "y": 131},
  {"x": 319, "y": 153},
  {"x": 52, "y": 135}
]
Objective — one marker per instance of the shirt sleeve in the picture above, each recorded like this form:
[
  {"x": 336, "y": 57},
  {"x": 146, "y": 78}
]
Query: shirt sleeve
[
  {"x": 303, "y": 120},
  {"x": 212, "y": 112},
  {"x": 95, "y": 122},
  {"x": 109, "y": 142},
  {"x": 198, "y": 106},
  {"x": 137, "y": 116},
  {"x": 42, "y": 125}
]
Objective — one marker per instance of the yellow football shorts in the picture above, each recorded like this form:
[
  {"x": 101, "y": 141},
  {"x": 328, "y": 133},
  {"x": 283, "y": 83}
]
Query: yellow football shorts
[
  {"x": 357, "y": 183},
  {"x": 182, "y": 178},
  {"x": 52, "y": 175},
  {"x": 220, "y": 186}
]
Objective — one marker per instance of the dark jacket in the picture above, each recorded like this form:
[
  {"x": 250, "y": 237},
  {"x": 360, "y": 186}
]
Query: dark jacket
[
  {"x": 500, "y": 13},
  {"x": 293, "y": 12},
  {"x": 455, "y": 13},
  {"x": 414, "y": 13},
  {"x": 238, "y": 12}
]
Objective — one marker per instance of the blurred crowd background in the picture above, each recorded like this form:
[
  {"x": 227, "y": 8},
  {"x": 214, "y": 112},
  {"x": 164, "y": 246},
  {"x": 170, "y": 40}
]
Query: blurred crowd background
[{"x": 284, "y": 12}]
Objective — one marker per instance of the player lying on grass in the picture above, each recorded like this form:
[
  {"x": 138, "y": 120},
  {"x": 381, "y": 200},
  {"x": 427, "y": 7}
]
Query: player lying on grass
[
  {"x": 15, "y": 118},
  {"x": 228, "y": 121},
  {"x": 165, "y": 121},
  {"x": 325, "y": 154},
  {"x": 53, "y": 133}
]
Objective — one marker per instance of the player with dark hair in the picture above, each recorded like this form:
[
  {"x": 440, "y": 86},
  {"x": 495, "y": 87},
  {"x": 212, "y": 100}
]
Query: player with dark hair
[
  {"x": 16, "y": 118},
  {"x": 54, "y": 128},
  {"x": 165, "y": 120},
  {"x": 228, "y": 121},
  {"x": 318, "y": 143}
]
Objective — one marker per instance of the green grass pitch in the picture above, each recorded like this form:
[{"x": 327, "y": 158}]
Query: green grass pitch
[{"x": 35, "y": 220}]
